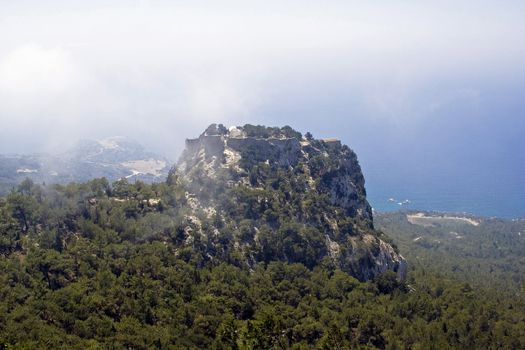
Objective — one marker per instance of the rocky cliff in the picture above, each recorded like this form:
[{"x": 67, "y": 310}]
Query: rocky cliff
[{"x": 281, "y": 196}]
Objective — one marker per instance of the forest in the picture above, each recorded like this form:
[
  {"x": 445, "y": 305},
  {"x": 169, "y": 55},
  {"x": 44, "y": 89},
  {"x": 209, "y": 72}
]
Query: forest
[
  {"x": 105, "y": 266},
  {"x": 488, "y": 255}
]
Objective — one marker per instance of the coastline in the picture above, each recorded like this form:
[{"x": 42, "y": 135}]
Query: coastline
[
  {"x": 420, "y": 215},
  {"x": 425, "y": 219}
]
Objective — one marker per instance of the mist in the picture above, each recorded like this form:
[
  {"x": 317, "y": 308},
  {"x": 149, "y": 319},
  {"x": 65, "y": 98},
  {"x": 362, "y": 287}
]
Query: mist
[{"x": 412, "y": 87}]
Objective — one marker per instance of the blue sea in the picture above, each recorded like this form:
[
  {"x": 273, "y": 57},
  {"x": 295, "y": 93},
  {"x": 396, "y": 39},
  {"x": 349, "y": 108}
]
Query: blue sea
[{"x": 490, "y": 191}]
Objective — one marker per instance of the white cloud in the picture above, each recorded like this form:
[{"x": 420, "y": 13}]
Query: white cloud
[
  {"x": 32, "y": 70},
  {"x": 108, "y": 67}
]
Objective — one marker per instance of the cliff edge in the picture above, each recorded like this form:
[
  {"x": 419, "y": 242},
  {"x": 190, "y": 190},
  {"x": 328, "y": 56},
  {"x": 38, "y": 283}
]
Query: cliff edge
[{"x": 274, "y": 194}]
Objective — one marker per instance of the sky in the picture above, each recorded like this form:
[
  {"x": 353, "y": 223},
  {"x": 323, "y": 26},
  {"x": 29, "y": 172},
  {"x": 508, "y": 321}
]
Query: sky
[{"x": 416, "y": 88}]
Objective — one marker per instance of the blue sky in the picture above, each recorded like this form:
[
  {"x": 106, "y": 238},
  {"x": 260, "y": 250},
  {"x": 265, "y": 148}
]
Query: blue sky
[{"x": 412, "y": 86}]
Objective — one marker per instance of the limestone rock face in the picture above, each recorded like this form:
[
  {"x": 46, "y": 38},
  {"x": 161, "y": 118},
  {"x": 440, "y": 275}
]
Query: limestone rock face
[{"x": 297, "y": 189}]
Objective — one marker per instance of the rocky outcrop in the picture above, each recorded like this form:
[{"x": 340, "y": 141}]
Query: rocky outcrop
[
  {"x": 378, "y": 257},
  {"x": 319, "y": 182}
]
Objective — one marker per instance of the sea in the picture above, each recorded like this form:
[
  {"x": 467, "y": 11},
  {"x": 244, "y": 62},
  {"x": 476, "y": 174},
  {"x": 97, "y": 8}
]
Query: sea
[{"x": 490, "y": 192}]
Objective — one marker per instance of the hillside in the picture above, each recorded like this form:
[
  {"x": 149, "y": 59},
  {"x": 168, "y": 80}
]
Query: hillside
[
  {"x": 113, "y": 158},
  {"x": 290, "y": 198},
  {"x": 259, "y": 239}
]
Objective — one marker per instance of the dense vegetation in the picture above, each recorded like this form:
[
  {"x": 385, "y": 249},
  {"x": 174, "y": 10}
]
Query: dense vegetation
[
  {"x": 489, "y": 255},
  {"x": 96, "y": 265},
  {"x": 272, "y": 197}
]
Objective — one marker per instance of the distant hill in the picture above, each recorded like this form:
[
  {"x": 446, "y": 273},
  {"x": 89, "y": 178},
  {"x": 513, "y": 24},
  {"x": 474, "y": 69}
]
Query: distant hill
[{"x": 113, "y": 158}]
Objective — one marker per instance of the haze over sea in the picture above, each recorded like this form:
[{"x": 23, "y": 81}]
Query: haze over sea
[
  {"x": 483, "y": 186},
  {"x": 448, "y": 192}
]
